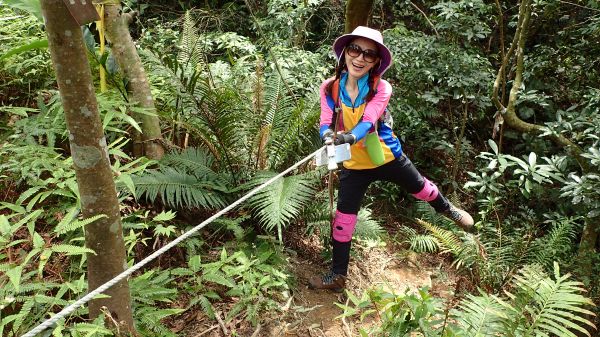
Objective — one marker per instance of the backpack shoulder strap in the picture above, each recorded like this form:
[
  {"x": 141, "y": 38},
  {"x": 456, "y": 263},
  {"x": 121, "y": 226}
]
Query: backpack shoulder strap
[
  {"x": 376, "y": 80},
  {"x": 335, "y": 92},
  {"x": 335, "y": 96}
]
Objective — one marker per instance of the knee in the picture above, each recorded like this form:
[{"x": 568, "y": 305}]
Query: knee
[
  {"x": 343, "y": 226},
  {"x": 429, "y": 191}
]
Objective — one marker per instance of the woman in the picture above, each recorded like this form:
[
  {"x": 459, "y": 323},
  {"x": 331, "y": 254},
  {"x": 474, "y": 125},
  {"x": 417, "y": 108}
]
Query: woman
[{"x": 353, "y": 106}]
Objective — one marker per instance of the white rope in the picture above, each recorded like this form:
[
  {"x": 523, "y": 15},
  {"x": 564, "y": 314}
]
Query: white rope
[{"x": 49, "y": 322}]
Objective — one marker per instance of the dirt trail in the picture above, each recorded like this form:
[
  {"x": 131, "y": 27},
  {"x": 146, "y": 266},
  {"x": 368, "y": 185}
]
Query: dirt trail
[{"x": 314, "y": 312}]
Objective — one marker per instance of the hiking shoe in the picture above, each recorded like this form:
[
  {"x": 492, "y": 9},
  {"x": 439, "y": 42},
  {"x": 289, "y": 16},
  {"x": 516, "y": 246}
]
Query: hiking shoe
[
  {"x": 460, "y": 217},
  {"x": 329, "y": 280}
]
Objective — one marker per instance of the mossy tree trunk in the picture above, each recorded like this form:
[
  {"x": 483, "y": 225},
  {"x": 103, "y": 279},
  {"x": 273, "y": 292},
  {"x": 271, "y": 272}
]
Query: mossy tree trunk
[
  {"x": 90, "y": 160},
  {"x": 357, "y": 13},
  {"x": 126, "y": 55}
]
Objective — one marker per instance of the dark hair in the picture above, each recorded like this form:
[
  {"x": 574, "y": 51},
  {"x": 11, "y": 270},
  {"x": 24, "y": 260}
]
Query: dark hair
[{"x": 341, "y": 66}]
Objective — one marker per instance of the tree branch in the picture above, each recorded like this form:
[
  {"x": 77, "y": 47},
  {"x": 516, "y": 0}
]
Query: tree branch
[
  {"x": 426, "y": 18},
  {"x": 510, "y": 114}
]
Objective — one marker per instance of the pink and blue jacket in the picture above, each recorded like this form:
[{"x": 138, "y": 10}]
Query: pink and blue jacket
[{"x": 359, "y": 118}]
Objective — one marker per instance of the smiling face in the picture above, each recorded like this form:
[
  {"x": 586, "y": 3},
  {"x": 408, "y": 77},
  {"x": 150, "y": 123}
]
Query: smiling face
[{"x": 357, "y": 65}]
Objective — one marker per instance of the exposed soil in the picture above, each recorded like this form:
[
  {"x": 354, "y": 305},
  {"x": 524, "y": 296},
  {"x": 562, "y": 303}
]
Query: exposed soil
[{"x": 314, "y": 312}]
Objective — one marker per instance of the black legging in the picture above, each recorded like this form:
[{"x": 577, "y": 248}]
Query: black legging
[{"x": 354, "y": 184}]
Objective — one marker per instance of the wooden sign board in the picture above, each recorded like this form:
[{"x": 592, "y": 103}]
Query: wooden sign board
[{"x": 83, "y": 11}]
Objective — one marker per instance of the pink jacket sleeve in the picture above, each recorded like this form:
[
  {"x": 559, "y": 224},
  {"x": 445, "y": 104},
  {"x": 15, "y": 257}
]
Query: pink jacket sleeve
[
  {"x": 377, "y": 105},
  {"x": 326, "y": 112}
]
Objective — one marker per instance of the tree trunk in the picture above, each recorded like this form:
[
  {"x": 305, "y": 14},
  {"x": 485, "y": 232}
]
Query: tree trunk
[
  {"x": 90, "y": 160},
  {"x": 125, "y": 53},
  {"x": 357, "y": 13}
]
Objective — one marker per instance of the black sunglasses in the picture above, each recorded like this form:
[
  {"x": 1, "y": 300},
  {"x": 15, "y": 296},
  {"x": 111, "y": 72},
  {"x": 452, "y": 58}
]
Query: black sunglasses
[{"x": 369, "y": 55}]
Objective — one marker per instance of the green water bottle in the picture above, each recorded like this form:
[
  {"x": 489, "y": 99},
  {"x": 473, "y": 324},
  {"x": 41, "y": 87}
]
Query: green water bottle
[{"x": 374, "y": 148}]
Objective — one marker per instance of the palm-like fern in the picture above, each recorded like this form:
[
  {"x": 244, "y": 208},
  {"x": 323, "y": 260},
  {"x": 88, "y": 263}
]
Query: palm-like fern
[
  {"x": 280, "y": 125},
  {"x": 448, "y": 241},
  {"x": 366, "y": 225},
  {"x": 481, "y": 315},
  {"x": 195, "y": 161},
  {"x": 217, "y": 120},
  {"x": 148, "y": 291},
  {"x": 556, "y": 242},
  {"x": 184, "y": 179},
  {"x": 180, "y": 189},
  {"x": 494, "y": 256},
  {"x": 279, "y": 203},
  {"x": 538, "y": 306},
  {"x": 544, "y": 305},
  {"x": 190, "y": 46},
  {"x": 420, "y": 243}
]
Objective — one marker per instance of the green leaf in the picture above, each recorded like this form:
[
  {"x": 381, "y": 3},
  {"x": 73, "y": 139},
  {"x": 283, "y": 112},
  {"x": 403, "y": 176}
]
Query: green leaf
[
  {"x": 5, "y": 228},
  {"x": 195, "y": 263},
  {"x": 71, "y": 250},
  {"x": 30, "y": 6},
  {"x": 14, "y": 275},
  {"x": 88, "y": 38},
  {"x": 165, "y": 216},
  {"x": 218, "y": 278},
  {"x": 112, "y": 67},
  {"x": 279, "y": 203},
  {"x": 493, "y": 145},
  {"x": 532, "y": 159},
  {"x": 37, "y": 44},
  {"x": 69, "y": 224},
  {"x": 126, "y": 179},
  {"x": 131, "y": 122},
  {"x": 38, "y": 241}
]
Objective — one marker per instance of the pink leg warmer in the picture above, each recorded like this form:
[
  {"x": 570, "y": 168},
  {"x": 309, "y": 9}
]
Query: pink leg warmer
[
  {"x": 343, "y": 226},
  {"x": 429, "y": 191}
]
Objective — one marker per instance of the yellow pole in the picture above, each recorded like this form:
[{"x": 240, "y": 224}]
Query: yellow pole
[{"x": 100, "y": 26}]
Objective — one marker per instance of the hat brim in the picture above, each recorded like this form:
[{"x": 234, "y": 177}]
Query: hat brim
[{"x": 384, "y": 53}]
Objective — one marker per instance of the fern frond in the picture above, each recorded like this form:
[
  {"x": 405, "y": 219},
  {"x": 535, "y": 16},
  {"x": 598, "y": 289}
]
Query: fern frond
[
  {"x": 179, "y": 189},
  {"x": 419, "y": 243},
  {"x": 89, "y": 329},
  {"x": 280, "y": 126},
  {"x": 472, "y": 253},
  {"x": 467, "y": 253},
  {"x": 220, "y": 118},
  {"x": 448, "y": 240},
  {"x": 69, "y": 224},
  {"x": 555, "y": 243},
  {"x": 481, "y": 315},
  {"x": 233, "y": 225},
  {"x": 25, "y": 311},
  {"x": 71, "y": 250},
  {"x": 282, "y": 201},
  {"x": 291, "y": 129},
  {"x": 190, "y": 46},
  {"x": 427, "y": 213},
  {"x": 192, "y": 160},
  {"x": 551, "y": 306},
  {"x": 206, "y": 306},
  {"x": 366, "y": 226},
  {"x": 148, "y": 321}
]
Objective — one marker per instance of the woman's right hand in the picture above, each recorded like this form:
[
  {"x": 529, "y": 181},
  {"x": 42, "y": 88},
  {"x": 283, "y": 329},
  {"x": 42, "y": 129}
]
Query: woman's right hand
[{"x": 344, "y": 138}]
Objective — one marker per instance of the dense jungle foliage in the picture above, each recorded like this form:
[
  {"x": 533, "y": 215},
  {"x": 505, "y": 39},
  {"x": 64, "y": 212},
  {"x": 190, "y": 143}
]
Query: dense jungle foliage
[{"x": 503, "y": 113}]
